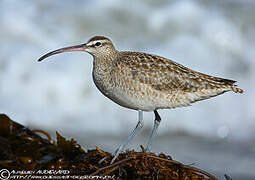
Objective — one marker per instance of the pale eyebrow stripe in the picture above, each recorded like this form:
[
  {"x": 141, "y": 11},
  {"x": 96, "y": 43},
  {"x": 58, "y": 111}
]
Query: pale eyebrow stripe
[{"x": 94, "y": 42}]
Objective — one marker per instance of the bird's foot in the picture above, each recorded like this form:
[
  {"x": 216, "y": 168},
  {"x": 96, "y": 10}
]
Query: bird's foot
[
  {"x": 115, "y": 155},
  {"x": 147, "y": 149},
  {"x": 102, "y": 160}
]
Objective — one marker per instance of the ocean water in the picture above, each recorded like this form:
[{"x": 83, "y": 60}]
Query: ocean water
[{"x": 213, "y": 37}]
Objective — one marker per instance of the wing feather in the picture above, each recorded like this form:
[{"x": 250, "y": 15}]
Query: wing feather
[{"x": 166, "y": 75}]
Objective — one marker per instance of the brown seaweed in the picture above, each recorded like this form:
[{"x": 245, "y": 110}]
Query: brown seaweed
[{"x": 25, "y": 149}]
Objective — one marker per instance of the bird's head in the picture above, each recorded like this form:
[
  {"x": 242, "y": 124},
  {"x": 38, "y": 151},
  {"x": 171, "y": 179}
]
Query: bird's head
[{"x": 96, "y": 46}]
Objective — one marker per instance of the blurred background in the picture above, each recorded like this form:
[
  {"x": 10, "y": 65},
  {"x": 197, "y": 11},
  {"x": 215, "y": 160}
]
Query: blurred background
[{"x": 213, "y": 37}]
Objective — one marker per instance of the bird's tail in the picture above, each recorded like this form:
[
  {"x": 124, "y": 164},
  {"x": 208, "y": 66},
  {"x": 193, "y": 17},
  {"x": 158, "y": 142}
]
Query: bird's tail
[
  {"x": 237, "y": 90},
  {"x": 232, "y": 85}
]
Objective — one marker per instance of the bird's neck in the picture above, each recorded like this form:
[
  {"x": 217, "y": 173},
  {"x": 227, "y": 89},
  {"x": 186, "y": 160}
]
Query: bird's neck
[
  {"x": 102, "y": 69},
  {"x": 103, "y": 63}
]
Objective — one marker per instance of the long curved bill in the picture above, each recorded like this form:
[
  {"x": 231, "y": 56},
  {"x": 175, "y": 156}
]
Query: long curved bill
[{"x": 80, "y": 47}]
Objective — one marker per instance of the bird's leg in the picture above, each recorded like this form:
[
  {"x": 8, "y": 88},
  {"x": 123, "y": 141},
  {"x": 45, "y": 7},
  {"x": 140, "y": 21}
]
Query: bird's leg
[
  {"x": 131, "y": 136},
  {"x": 154, "y": 130}
]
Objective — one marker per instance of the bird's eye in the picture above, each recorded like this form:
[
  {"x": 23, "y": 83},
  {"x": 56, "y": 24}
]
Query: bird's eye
[{"x": 97, "y": 44}]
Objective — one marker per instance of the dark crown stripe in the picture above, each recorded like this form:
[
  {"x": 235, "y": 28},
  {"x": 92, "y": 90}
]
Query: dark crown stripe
[{"x": 96, "y": 38}]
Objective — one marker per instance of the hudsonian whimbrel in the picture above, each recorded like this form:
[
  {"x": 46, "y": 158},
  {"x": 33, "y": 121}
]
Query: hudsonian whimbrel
[{"x": 146, "y": 82}]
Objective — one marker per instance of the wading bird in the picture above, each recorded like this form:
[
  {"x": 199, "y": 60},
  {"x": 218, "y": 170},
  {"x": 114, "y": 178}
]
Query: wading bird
[{"x": 146, "y": 82}]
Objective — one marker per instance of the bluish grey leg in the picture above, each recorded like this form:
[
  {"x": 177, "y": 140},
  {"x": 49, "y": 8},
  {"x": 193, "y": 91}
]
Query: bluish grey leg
[
  {"x": 131, "y": 136},
  {"x": 154, "y": 130}
]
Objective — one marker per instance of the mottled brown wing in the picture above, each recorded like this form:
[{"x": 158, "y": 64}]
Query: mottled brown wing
[{"x": 166, "y": 75}]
